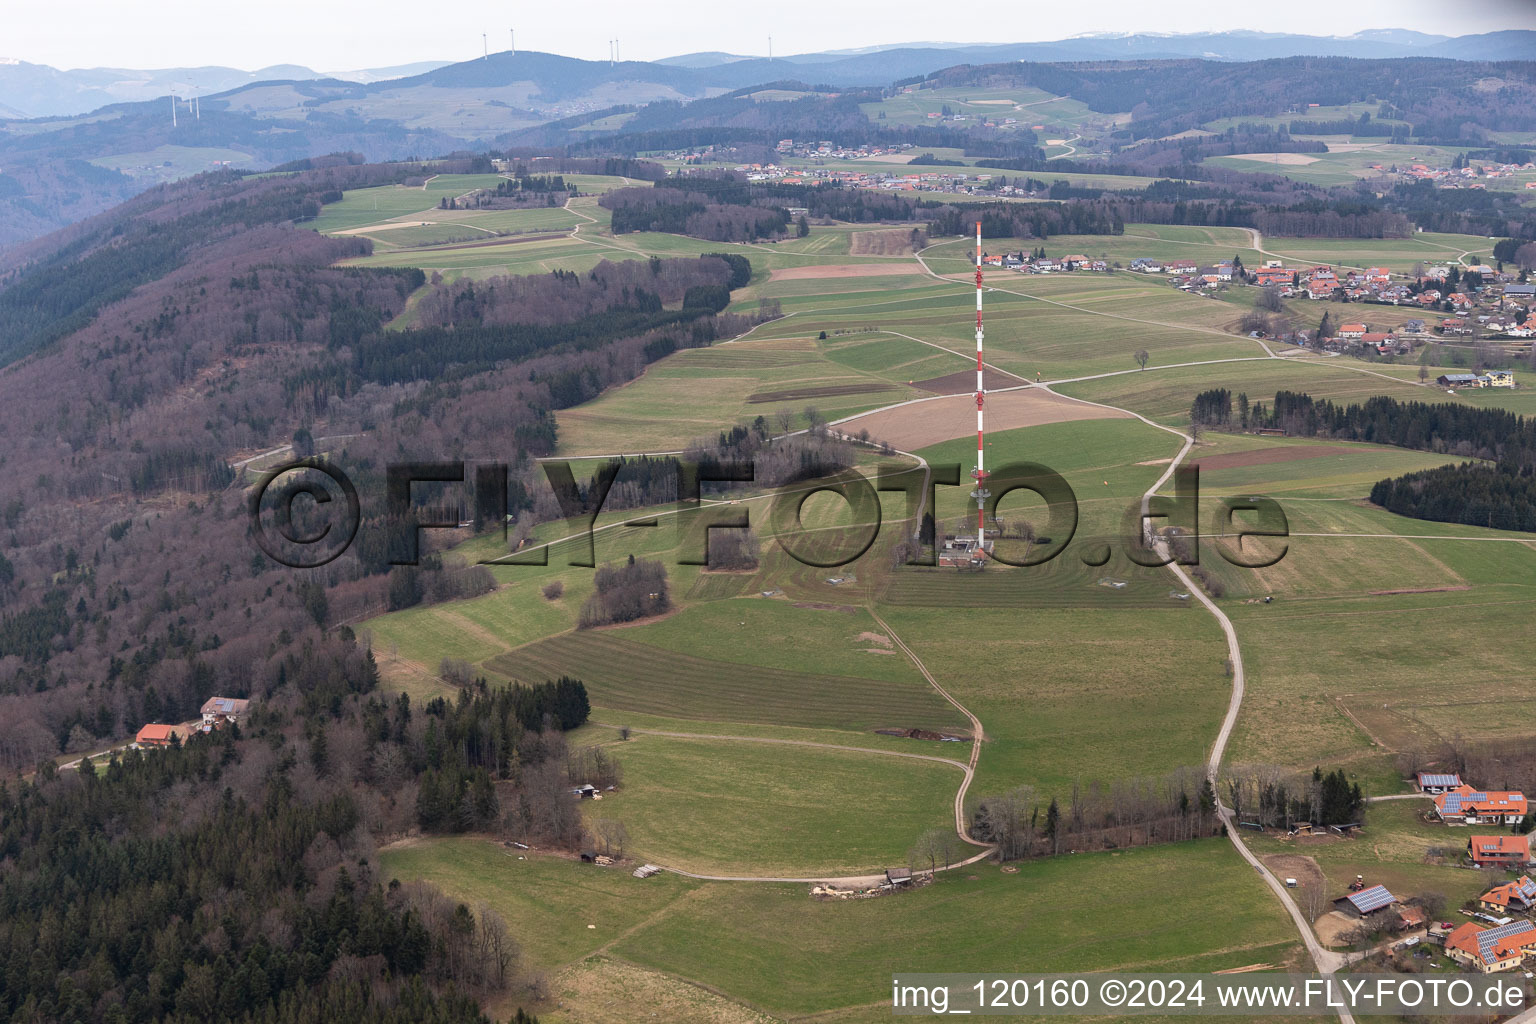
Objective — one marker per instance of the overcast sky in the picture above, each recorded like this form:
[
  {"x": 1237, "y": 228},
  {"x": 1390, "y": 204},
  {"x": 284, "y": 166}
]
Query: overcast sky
[{"x": 331, "y": 36}]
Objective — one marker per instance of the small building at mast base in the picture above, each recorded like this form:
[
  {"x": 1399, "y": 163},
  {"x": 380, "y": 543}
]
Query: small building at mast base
[{"x": 964, "y": 551}]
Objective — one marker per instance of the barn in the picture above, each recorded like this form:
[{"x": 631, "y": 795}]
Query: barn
[{"x": 1365, "y": 902}]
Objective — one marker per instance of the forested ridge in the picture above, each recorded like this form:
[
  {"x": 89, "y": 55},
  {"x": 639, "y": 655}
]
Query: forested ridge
[{"x": 129, "y": 588}]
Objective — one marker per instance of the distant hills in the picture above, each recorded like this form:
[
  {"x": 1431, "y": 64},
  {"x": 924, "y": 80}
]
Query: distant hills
[
  {"x": 905, "y": 59},
  {"x": 35, "y": 90},
  {"x": 59, "y": 168}
]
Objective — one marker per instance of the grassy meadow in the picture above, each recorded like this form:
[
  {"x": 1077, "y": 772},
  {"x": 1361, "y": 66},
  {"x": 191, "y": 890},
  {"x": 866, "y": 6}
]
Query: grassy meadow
[{"x": 837, "y": 957}]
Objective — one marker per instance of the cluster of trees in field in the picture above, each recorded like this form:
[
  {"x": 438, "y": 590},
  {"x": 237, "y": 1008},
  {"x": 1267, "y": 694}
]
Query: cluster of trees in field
[
  {"x": 1399, "y": 132},
  {"x": 1276, "y": 798},
  {"x": 1519, "y": 251},
  {"x": 1442, "y": 427},
  {"x": 1471, "y": 211},
  {"x": 522, "y": 181},
  {"x": 683, "y": 211},
  {"x": 623, "y": 593},
  {"x": 490, "y": 734},
  {"x": 1026, "y": 220},
  {"x": 540, "y": 162},
  {"x": 1473, "y": 494},
  {"x": 556, "y": 299},
  {"x": 223, "y": 881},
  {"x": 1500, "y": 493},
  {"x": 777, "y": 456},
  {"x": 1128, "y": 812}
]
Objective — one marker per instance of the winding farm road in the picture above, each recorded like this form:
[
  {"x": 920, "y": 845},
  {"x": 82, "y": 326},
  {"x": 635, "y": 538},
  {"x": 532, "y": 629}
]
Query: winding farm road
[{"x": 1326, "y": 961}]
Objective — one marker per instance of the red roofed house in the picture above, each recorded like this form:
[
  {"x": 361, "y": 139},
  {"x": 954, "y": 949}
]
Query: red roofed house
[
  {"x": 1479, "y": 807},
  {"x": 1274, "y": 275},
  {"x": 1380, "y": 275},
  {"x": 1352, "y": 331},
  {"x": 1519, "y": 895},
  {"x": 159, "y": 735},
  {"x": 1499, "y": 851},
  {"x": 1492, "y": 949}
]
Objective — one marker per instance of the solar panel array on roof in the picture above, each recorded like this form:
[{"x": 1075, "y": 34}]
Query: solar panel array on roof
[
  {"x": 1439, "y": 780},
  {"x": 1526, "y": 888},
  {"x": 1371, "y": 899},
  {"x": 1487, "y": 939},
  {"x": 1453, "y": 801}
]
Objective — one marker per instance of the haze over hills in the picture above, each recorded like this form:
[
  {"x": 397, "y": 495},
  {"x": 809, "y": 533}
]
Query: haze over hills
[
  {"x": 58, "y": 170},
  {"x": 35, "y": 90}
]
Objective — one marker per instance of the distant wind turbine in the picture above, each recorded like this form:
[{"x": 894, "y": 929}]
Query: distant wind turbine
[
  {"x": 485, "y": 44},
  {"x": 513, "y": 51}
]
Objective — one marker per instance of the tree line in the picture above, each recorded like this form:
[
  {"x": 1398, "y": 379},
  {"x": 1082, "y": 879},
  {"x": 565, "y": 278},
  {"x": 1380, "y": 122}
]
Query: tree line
[
  {"x": 1472, "y": 494},
  {"x": 1276, "y": 798}
]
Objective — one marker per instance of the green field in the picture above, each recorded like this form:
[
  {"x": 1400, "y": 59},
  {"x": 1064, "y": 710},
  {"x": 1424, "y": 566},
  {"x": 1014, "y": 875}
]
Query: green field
[
  {"x": 839, "y": 955},
  {"x": 741, "y": 807},
  {"x": 628, "y": 675},
  {"x": 364, "y": 206},
  {"x": 1346, "y": 161},
  {"x": 168, "y": 163}
]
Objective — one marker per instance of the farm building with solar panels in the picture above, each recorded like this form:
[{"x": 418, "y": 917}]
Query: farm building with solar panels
[
  {"x": 1492, "y": 949},
  {"x": 1438, "y": 782},
  {"x": 219, "y": 710},
  {"x": 1365, "y": 902},
  {"x": 1518, "y": 896},
  {"x": 1465, "y": 805}
]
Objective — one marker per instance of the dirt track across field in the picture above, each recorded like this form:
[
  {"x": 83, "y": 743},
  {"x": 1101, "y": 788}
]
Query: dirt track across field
[
  {"x": 1266, "y": 456},
  {"x": 920, "y": 424},
  {"x": 836, "y": 270},
  {"x": 965, "y": 380}
]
